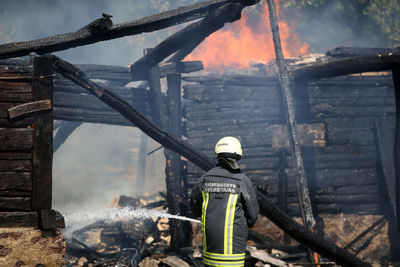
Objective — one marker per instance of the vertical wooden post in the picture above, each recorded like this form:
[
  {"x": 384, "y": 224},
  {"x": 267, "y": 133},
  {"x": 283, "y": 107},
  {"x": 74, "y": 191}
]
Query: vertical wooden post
[
  {"x": 180, "y": 231},
  {"x": 396, "y": 82},
  {"x": 141, "y": 167},
  {"x": 155, "y": 97},
  {"x": 283, "y": 182},
  {"x": 42, "y": 88}
]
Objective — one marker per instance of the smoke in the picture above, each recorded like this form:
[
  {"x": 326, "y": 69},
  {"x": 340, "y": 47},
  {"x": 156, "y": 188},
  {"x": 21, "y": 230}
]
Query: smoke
[{"x": 325, "y": 25}]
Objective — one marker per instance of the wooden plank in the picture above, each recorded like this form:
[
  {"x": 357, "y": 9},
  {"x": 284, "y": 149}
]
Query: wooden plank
[
  {"x": 16, "y": 123},
  {"x": 19, "y": 219},
  {"x": 28, "y": 108},
  {"x": 42, "y": 87},
  {"x": 10, "y": 155},
  {"x": 90, "y": 102},
  {"x": 15, "y": 203},
  {"x": 7, "y": 96},
  {"x": 15, "y": 193},
  {"x": 16, "y": 139},
  {"x": 16, "y": 180},
  {"x": 15, "y": 165},
  {"x": 14, "y": 87}
]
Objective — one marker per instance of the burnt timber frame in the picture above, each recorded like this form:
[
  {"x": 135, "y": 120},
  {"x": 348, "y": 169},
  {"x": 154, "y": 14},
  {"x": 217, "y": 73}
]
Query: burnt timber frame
[
  {"x": 99, "y": 92},
  {"x": 87, "y": 35},
  {"x": 268, "y": 209}
]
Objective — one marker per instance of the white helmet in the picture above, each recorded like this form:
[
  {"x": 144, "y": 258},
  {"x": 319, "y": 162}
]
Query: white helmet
[{"x": 229, "y": 145}]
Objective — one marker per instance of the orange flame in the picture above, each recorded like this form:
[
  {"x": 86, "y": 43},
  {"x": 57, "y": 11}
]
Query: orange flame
[{"x": 239, "y": 44}]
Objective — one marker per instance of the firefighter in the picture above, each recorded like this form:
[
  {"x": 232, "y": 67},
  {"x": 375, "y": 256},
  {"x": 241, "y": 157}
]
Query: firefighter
[{"x": 226, "y": 201}]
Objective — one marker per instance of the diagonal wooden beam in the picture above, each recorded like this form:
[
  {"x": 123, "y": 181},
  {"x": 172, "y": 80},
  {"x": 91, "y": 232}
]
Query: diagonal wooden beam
[
  {"x": 87, "y": 35},
  {"x": 188, "y": 37}
]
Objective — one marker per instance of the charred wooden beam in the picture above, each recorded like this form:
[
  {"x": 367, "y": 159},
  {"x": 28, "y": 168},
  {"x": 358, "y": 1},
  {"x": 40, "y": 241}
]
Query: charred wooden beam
[
  {"x": 141, "y": 163},
  {"x": 87, "y": 35},
  {"x": 380, "y": 62},
  {"x": 301, "y": 179},
  {"x": 343, "y": 51},
  {"x": 42, "y": 88},
  {"x": 77, "y": 76},
  {"x": 180, "y": 231},
  {"x": 306, "y": 237},
  {"x": 123, "y": 74},
  {"x": 195, "y": 31}
]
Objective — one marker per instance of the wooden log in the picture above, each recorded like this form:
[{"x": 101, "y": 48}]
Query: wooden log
[
  {"x": 15, "y": 165},
  {"x": 89, "y": 102},
  {"x": 350, "y": 136},
  {"x": 16, "y": 139},
  {"x": 343, "y": 51},
  {"x": 85, "y": 36},
  {"x": 346, "y": 177},
  {"x": 228, "y": 12},
  {"x": 10, "y": 155},
  {"x": 29, "y": 108},
  {"x": 240, "y": 80},
  {"x": 15, "y": 62},
  {"x": 16, "y": 123},
  {"x": 19, "y": 219},
  {"x": 15, "y": 203},
  {"x": 70, "y": 115},
  {"x": 361, "y": 64},
  {"x": 8, "y": 96},
  {"x": 42, "y": 87},
  {"x": 16, "y": 193},
  {"x": 122, "y": 74},
  {"x": 16, "y": 181},
  {"x": 16, "y": 86}
]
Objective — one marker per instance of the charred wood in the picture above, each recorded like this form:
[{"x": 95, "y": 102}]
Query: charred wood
[
  {"x": 361, "y": 64},
  {"x": 228, "y": 12},
  {"x": 16, "y": 181},
  {"x": 19, "y": 219},
  {"x": 15, "y": 203},
  {"x": 16, "y": 139},
  {"x": 42, "y": 156},
  {"x": 343, "y": 51},
  {"x": 85, "y": 36}
]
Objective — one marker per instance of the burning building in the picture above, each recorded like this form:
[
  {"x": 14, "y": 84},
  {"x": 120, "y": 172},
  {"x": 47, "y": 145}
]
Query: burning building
[{"x": 344, "y": 125}]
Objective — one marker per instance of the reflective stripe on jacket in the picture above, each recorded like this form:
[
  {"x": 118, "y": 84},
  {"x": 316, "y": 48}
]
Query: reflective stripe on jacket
[{"x": 227, "y": 204}]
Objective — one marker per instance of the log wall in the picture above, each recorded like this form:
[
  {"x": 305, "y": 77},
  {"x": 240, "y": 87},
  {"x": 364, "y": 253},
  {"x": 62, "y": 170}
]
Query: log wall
[
  {"x": 341, "y": 166},
  {"x": 26, "y": 147}
]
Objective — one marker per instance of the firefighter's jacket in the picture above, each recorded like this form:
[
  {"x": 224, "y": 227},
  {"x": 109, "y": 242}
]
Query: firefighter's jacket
[{"x": 226, "y": 202}]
